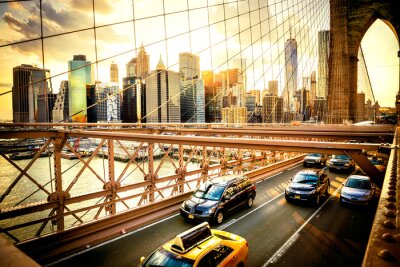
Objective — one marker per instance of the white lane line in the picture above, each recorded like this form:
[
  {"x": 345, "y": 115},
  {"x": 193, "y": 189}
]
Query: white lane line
[
  {"x": 247, "y": 214},
  {"x": 293, "y": 167},
  {"x": 112, "y": 240},
  {"x": 296, "y": 235}
]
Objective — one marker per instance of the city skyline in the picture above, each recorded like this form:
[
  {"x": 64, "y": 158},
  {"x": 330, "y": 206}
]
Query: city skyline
[{"x": 17, "y": 20}]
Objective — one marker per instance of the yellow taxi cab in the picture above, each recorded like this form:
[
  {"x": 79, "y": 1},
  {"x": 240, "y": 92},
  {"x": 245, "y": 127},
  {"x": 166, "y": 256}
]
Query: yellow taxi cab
[{"x": 200, "y": 246}]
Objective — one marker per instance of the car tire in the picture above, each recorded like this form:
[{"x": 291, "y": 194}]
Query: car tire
[
  {"x": 240, "y": 265},
  {"x": 287, "y": 198},
  {"x": 219, "y": 217},
  {"x": 250, "y": 202}
]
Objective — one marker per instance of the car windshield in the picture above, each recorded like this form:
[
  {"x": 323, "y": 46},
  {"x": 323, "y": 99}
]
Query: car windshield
[
  {"x": 314, "y": 155},
  {"x": 209, "y": 191},
  {"x": 358, "y": 183},
  {"x": 345, "y": 157},
  {"x": 162, "y": 257},
  {"x": 305, "y": 178}
]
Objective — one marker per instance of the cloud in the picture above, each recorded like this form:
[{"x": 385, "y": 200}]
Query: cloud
[
  {"x": 28, "y": 29},
  {"x": 101, "y": 6}
]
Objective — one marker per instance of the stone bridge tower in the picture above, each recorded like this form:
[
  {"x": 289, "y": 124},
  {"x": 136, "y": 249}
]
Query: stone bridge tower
[{"x": 350, "y": 19}]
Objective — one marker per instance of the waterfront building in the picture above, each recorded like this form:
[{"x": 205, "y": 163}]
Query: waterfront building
[
  {"x": 189, "y": 66},
  {"x": 192, "y": 101},
  {"x": 163, "y": 96},
  {"x": 360, "y": 108},
  {"x": 234, "y": 115},
  {"x": 273, "y": 87},
  {"x": 131, "y": 68},
  {"x": 323, "y": 60},
  {"x": 108, "y": 102},
  {"x": 290, "y": 74},
  {"x": 272, "y": 108},
  {"x": 134, "y": 102},
  {"x": 320, "y": 108},
  {"x": 60, "y": 111},
  {"x": 79, "y": 75},
  {"x": 91, "y": 100},
  {"x": 114, "y": 73},
  {"x": 142, "y": 64},
  {"x": 46, "y": 104},
  {"x": 257, "y": 94},
  {"x": 28, "y": 83}
]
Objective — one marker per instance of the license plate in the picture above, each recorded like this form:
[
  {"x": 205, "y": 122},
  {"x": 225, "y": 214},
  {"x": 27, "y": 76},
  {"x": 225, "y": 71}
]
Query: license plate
[
  {"x": 297, "y": 197},
  {"x": 191, "y": 216}
]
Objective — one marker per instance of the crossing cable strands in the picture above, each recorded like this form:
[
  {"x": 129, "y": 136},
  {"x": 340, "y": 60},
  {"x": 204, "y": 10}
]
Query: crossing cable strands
[{"x": 282, "y": 13}]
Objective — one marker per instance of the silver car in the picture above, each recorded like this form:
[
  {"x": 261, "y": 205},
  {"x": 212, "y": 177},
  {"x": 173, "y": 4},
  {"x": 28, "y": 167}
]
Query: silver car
[{"x": 357, "y": 189}]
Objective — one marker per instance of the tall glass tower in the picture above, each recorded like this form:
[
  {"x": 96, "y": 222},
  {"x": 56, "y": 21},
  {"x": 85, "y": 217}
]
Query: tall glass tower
[
  {"x": 290, "y": 74},
  {"x": 79, "y": 74}
]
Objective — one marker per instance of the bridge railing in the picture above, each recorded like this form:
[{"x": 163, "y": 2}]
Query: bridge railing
[{"x": 44, "y": 195}]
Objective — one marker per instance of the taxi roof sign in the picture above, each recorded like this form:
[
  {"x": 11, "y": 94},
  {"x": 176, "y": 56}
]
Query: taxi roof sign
[{"x": 191, "y": 238}]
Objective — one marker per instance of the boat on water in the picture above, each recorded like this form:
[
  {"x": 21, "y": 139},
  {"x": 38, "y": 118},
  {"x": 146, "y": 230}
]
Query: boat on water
[
  {"x": 28, "y": 155},
  {"x": 71, "y": 155}
]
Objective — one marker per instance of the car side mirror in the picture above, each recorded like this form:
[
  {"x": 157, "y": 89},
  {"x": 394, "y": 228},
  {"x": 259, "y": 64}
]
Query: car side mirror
[
  {"x": 227, "y": 197},
  {"x": 142, "y": 259}
]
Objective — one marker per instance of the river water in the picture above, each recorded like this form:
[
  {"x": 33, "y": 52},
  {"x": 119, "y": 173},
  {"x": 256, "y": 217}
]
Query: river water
[{"x": 42, "y": 171}]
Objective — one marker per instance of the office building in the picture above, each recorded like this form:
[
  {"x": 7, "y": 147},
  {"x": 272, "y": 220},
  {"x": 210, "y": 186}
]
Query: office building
[
  {"x": 290, "y": 74},
  {"x": 273, "y": 87},
  {"x": 91, "y": 100},
  {"x": 142, "y": 64},
  {"x": 60, "y": 112},
  {"x": 272, "y": 108},
  {"x": 360, "y": 108},
  {"x": 323, "y": 60},
  {"x": 134, "y": 102},
  {"x": 108, "y": 102},
  {"x": 163, "y": 96},
  {"x": 192, "y": 101},
  {"x": 189, "y": 66},
  {"x": 28, "y": 83},
  {"x": 79, "y": 75},
  {"x": 114, "y": 73}
]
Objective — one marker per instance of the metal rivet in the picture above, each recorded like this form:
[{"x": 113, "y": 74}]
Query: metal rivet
[
  {"x": 391, "y": 198},
  {"x": 386, "y": 255},
  {"x": 391, "y": 192},
  {"x": 390, "y": 205},
  {"x": 392, "y": 187},
  {"x": 392, "y": 183},
  {"x": 389, "y": 213},
  {"x": 389, "y": 224},
  {"x": 388, "y": 237}
]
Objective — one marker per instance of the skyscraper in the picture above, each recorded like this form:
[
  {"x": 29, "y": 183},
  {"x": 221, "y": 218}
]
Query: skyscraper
[
  {"x": 79, "y": 75},
  {"x": 273, "y": 87},
  {"x": 61, "y": 104},
  {"x": 272, "y": 108},
  {"x": 163, "y": 96},
  {"x": 131, "y": 68},
  {"x": 109, "y": 101},
  {"x": 28, "y": 83},
  {"x": 290, "y": 74},
  {"x": 142, "y": 63},
  {"x": 133, "y": 105},
  {"x": 114, "y": 73},
  {"x": 192, "y": 101},
  {"x": 323, "y": 56},
  {"x": 189, "y": 66}
]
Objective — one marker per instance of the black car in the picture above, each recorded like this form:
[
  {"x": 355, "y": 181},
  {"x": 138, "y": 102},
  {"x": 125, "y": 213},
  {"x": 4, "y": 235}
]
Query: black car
[
  {"x": 218, "y": 197},
  {"x": 308, "y": 185}
]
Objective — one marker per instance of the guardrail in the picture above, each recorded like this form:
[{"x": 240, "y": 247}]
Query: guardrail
[
  {"x": 384, "y": 242},
  {"x": 49, "y": 248}
]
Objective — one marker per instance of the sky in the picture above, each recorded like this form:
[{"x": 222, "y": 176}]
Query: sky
[{"x": 21, "y": 21}]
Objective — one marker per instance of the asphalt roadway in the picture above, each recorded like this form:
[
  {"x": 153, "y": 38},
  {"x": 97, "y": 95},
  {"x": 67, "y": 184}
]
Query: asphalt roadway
[{"x": 279, "y": 233}]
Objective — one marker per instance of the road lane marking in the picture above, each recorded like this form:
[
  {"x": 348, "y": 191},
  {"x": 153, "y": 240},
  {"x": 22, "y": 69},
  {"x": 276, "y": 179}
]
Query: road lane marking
[
  {"x": 296, "y": 235},
  {"x": 253, "y": 210},
  {"x": 111, "y": 240}
]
